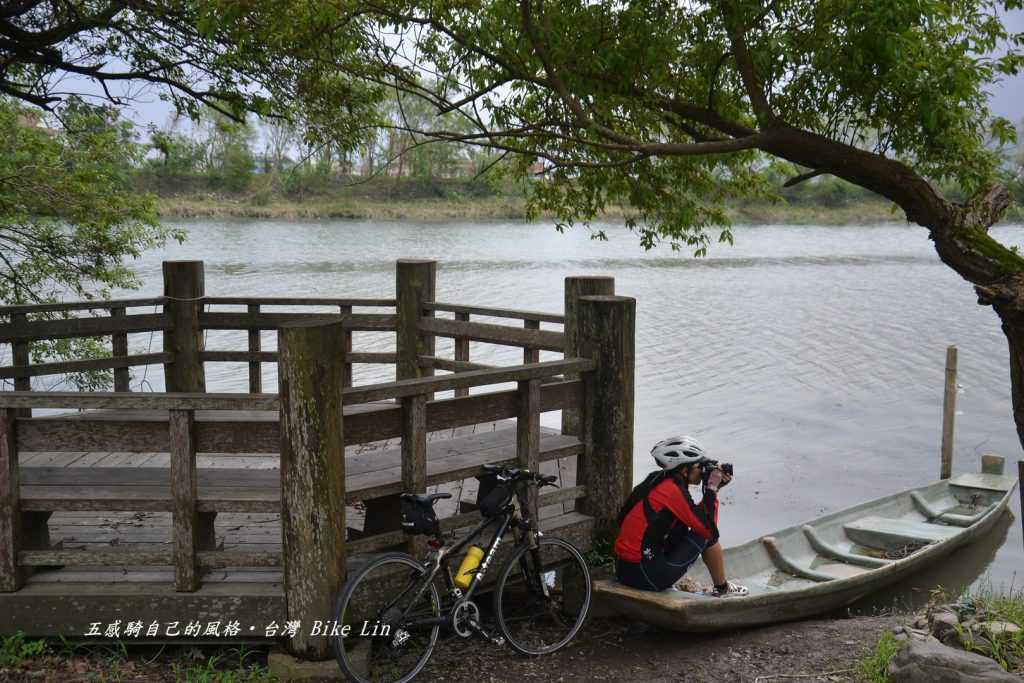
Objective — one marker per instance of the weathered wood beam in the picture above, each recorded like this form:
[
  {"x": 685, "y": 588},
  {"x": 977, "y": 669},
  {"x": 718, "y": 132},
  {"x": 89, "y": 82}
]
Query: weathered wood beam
[
  {"x": 575, "y": 287},
  {"x": 415, "y": 284},
  {"x": 424, "y": 385},
  {"x": 255, "y": 369},
  {"x": 360, "y": 322},
  {"x": 10, "y": 508},
  {"x": 117, "y": 362},
  {"x": 414, "y": 455},
  {"x": 184, "y": 286},
  {"x": 119, "y": 350},
  {"x": 453, "y": 366},
  {"x": 528, "y": 438},
  {"x": 493, "y": 334},
  {"x": 21, "y": 357},
  {"x": 298, "y": 301},
  {"x": 462, "y": 350},
  {"x": 83, "y": 327},
  {"x": 184, "y": 493},
  {"x": 493, "y": 312},
  {"x": 184, "y": 400},
  {"x": 93, "y": 305},
  {"x": 313, "y": 530},
  {"x": 607, "y": 326}
]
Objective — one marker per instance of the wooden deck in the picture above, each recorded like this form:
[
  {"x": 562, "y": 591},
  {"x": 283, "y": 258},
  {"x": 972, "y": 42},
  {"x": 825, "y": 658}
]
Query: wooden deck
[
  {"x": 173, "y": 505},
  {"x": 66, "y": 600},
  {"x": 249, "y": 483}
]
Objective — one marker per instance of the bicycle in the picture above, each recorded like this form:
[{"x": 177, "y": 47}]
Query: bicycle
[{"x": 394, "y": 610}]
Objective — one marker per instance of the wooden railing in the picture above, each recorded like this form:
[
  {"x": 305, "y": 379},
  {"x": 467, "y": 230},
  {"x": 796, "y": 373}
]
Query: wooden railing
[
  {"x": 186, "y": 277},
  {"x": 592, "y": 385}
]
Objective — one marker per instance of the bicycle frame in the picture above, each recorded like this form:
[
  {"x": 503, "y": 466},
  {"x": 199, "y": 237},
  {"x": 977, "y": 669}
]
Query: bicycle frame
[{"x": 508, "y": 519}]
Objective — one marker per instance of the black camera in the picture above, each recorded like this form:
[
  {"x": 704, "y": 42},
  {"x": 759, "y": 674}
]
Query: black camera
[{"x": 710, "y": 465}]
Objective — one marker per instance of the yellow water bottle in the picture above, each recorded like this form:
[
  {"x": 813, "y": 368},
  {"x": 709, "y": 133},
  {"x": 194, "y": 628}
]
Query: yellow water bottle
[{"x": 470, "y": 562}]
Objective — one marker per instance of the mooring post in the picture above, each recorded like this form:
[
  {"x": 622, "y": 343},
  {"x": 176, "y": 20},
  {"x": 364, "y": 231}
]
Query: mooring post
[
  {"x": 607, "y": 331},
  {"x": 415, "y": 283},
  {"x": 184, "y": 281},
  {"x": 992, "y": 464},
  {"x": 948, "y": 414},
  {"x": 575, "y": 287},
  {"x": 1020, "y": 490},
  {"x": 311, "y": 362}
]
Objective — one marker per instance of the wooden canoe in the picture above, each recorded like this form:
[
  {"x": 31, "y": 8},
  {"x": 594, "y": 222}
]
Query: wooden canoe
[{"x": 830, "y": 562}]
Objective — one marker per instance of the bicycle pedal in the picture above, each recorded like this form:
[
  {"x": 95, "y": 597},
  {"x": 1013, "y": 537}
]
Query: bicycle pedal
[{"x": 494, "y": 640}]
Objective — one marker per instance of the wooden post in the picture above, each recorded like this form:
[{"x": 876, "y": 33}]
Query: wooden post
[
  {"x": 414, "y": 286},
  {"x": 462, "y": 351},
  {"x": 531, "y": 355},
  {"x": 255, "y": 368},
  {"x": 414, "y": 456},
  {"x": 184, "y": 494},
  {"x": 184, "y": 281},
  {"x": 528, "y": 437},
  {"x": 948, "y": 414},
  {"x": 21, "y": 357},
  {"x": 346, "y": 377},
  {"x": 311, "y": 363},
  {"x": 11, "y": 576},
  {"x": 992, "y": 464},
  {"x": 575, "y": 287},
  {"x": 119, "y": 349},
  {"x": 607, "y": 328}
]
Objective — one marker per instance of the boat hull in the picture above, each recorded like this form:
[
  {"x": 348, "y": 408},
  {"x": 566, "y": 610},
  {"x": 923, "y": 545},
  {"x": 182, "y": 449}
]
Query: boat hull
[{"x": 681, "y": 611}]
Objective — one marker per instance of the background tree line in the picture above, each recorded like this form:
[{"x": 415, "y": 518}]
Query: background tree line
[{"x": 215, "y": 153}]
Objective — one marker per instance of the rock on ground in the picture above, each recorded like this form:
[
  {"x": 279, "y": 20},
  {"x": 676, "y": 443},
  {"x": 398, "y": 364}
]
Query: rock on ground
[{"x": 930, "y": 662}]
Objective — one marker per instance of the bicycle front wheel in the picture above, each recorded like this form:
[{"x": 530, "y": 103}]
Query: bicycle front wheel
[
  {"x": 376, "y": 638},
  {"x": 542, "y": 597}
]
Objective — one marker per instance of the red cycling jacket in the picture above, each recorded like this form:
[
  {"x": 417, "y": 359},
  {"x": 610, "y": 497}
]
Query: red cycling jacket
[{"x": 701, "y": 518}]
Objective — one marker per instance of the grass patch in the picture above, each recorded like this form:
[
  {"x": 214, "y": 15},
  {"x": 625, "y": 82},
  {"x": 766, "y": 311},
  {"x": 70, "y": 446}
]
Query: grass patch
[
  {"x": 876, "y": 666},
  {"x": 1005, "y": 648},
  {"x": 15, "y": 649},
  {"x": 232, "y": 666}
]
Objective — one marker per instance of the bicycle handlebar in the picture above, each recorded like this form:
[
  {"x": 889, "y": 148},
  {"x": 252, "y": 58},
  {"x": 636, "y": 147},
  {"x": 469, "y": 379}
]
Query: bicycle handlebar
[{"x": 521, "y": 475}]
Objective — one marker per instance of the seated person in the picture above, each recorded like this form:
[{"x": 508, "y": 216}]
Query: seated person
[{"x": 662, "y": 531}]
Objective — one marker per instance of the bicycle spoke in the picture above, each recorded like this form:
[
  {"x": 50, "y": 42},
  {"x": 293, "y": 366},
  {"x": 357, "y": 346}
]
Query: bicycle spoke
[
  {"x": 379, "y": 645},
  {"x": 535, "y": 622}
]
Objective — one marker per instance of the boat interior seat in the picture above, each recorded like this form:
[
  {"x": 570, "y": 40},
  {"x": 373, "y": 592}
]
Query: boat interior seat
[{"x": 885, "y": 532}]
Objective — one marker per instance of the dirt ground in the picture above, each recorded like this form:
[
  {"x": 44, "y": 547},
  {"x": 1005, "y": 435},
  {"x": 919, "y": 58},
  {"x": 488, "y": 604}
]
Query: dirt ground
[{"x": 823, "y": 650}]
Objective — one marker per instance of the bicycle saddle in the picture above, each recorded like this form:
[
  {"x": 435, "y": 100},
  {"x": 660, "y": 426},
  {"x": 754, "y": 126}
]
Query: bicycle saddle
[{"x": 425, "y": 498}]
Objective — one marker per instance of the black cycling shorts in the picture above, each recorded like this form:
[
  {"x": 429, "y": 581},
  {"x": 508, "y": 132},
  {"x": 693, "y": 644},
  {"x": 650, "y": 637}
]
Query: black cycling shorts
[{"x": 682, "y": 550}]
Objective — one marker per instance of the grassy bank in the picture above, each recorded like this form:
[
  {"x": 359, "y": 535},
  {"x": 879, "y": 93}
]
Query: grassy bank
[
  {"x": 824, "y": 202},
  {"x": 992, "y": 607},
  {"x": 484, "y": 208}
]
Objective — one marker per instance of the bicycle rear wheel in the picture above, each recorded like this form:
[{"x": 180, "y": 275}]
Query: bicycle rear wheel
[
  {"x": 374, "y": 642},
  {"x": 542, "y": 597}
]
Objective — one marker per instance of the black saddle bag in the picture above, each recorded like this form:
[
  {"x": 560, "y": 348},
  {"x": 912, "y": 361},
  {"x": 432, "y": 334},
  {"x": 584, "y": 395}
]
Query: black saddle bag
[{"x": 419, "y": 518}]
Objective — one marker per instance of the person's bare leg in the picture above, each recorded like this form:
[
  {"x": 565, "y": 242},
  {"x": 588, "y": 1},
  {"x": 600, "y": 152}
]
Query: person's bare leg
[{"x": 714, "y": 560}]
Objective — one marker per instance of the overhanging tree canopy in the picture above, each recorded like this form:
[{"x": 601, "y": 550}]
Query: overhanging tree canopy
[{"x": 673, "y": 107}]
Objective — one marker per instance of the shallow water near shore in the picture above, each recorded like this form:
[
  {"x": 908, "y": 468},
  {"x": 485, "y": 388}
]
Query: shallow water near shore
[{"x": 810, "y": 357}]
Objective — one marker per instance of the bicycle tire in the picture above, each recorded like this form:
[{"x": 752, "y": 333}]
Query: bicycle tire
[
  {"x": 345, "y": 656},
  {"x": 524, "y": 559}
]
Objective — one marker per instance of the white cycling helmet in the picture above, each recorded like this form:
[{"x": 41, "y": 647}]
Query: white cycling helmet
[{"x": 674, "y": 451}]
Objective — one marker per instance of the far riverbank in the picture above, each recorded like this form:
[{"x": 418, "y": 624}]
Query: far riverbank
[{"x": 486, "y": 208}]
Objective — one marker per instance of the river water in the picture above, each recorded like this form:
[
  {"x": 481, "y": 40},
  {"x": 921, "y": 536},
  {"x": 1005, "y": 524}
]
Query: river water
[{"x": 811, "y": 357}]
